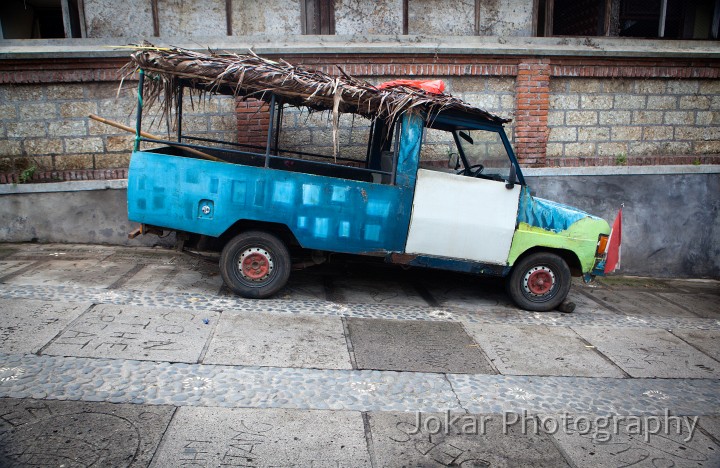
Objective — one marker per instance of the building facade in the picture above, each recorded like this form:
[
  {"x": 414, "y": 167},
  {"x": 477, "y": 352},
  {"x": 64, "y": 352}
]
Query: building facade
[{"x": 585, "y": 82}]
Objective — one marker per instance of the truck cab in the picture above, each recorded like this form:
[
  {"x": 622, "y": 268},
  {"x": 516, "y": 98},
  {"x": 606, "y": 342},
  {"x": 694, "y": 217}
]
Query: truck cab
[{"x": 474, "y": 213}]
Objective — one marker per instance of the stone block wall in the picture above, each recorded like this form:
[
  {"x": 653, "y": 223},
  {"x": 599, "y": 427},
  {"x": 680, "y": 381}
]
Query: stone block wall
[
  {"x": 565, "y": 111},
  {"x": 612, "y": 120},
  {"x": 46, "y": 126}
]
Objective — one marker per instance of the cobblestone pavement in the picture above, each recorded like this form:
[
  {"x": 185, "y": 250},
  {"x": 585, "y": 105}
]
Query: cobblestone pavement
[{"x": 116, "y": 356}]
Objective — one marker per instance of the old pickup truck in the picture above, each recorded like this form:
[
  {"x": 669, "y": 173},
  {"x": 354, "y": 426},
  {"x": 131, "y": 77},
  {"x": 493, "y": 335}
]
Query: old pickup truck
[{"x": 266, "y": 207}]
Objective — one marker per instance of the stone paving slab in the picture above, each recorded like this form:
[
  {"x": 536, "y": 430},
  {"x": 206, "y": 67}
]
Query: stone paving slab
[
  {"x": 280, "y": 341},
  {"x": 707, "y": 341},
  {"x": 85, "y": 273},
  {"x": 584, "y": 304},
  {"x": 703, "y": 305},
  {"x": 146, "y": 382},
  {"x": 69, "y": 433},
  {"x": 150, "y": 278},
  {"x": 364, "y": 291},
  {"x": 700, "y": 286},
  {"x": 60, "y": 252},
  {"x": 303, "y": 287},
  {"x": 27, "y": 325},
  {"x": 136, "y": 333},
  {"x": 651, "y": 353},
  {"x": 8, "y": 267},
  {"x": 415, "y": 346},
  {"x": 540, "y": 350},
  {"x": 642, "y": 442},
  {"x": 203, "y": 281},
  {"x": 469, "y": 298},
  {"x": 711, "y": 425},
  {"x": 639, "y": 303},
  {"x": 447, "y": 439},
  {"x": 269, "y": 437}
]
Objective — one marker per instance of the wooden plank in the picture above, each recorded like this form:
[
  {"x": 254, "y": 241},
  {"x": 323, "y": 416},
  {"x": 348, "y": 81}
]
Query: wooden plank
[
  {"x": 228, "y": 16},
  {"x": 83, "y": 21},
  {"x": 67, "y": 25},
  {"x": 607, "y": 19},
  {"x": 549, "y": 12},
  {"x": 663, "y": 15},
  {"x": 155, "y": 18},
  {"x": 405, "y": 18}
]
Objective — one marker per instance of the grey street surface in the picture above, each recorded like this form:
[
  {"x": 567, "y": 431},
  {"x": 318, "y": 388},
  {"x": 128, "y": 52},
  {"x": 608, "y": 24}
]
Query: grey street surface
[{"x": 114, "y": 356}]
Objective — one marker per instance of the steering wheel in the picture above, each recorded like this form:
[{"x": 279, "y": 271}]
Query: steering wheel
[{"x": 473, "y": 171}]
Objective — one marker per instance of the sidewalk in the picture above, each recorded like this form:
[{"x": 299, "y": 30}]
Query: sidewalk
[{"x": 115, "y": 356}]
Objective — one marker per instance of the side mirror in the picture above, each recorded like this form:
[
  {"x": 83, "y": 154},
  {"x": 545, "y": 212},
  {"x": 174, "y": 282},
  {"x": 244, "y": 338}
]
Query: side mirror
[{"x": 512, "y": 180}]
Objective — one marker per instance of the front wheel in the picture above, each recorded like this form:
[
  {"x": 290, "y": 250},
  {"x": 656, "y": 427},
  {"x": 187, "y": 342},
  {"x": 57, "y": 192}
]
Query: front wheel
[
  {"x": 255, "y": 264},
  {"x": 539, "y": 282}
]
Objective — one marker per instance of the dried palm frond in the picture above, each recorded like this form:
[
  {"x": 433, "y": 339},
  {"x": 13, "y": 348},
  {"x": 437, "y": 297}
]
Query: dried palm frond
[{"x": 250, "y": 75}]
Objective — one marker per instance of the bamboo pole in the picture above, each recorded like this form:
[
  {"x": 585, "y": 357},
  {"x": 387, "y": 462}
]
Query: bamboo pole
[{"x": 112, "y": 123}]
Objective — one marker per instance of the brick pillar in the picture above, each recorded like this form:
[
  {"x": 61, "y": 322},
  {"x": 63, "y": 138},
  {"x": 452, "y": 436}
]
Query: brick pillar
[
  {"x": 253, "y": 121},
  {"x": 532, "y": 99}
]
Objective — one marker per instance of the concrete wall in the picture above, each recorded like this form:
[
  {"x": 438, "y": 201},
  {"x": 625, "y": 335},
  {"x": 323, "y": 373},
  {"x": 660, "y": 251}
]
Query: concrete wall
[
  {"x": 624, "y": 117},
  {"x": 371, "y": 18},
  {"x": 103, "y": 18},
  {"x": 506, "y": 18},
  {"x": 442, "y": 17},
  {"x": 182, "y": 18},
  {"x": 93, "y": 212},
  {"x": 671, "y": 217}
]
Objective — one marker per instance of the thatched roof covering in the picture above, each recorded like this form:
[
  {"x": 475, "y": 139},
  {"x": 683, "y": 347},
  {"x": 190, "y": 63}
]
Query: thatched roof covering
[{"x": 253, "y": 76}]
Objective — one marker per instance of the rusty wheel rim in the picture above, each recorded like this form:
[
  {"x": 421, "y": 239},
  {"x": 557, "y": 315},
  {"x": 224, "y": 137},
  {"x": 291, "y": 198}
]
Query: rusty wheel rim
[
  {"x": 255, "y": 264},
  {"x": 539, "y": 281}
]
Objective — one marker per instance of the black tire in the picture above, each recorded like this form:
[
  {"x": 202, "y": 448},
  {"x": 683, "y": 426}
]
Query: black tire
[
  {"x": 539, "y": 282},
  {"x": 255, "y": 264}
]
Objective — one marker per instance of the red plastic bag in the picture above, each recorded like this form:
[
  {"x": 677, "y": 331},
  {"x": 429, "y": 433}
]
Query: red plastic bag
[{"x": 431, "y": 86}]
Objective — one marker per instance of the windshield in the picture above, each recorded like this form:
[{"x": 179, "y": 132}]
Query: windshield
[{"x": 484, "y": 153}]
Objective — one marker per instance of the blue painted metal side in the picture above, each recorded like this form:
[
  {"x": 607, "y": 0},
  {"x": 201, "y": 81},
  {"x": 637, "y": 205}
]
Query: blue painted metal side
[
  {"x": 324, "y": 213},
  {"x": 546, "y": 214}
]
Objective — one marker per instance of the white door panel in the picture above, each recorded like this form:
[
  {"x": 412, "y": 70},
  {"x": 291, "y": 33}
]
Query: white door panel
[{"x": 462, "y": 217}]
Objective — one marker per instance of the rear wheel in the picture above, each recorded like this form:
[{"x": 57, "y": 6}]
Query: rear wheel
[
  {"x": 539, "y": 282},
  {"x": 255, "y": 264}
]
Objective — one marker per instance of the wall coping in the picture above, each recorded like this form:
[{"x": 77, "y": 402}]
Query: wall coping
[
  {"x": 120, "y": 184},
  {"x": 621, "y": 170},
  {"x": 71, "y": 186},
  {"x": 397, "y": 45}
]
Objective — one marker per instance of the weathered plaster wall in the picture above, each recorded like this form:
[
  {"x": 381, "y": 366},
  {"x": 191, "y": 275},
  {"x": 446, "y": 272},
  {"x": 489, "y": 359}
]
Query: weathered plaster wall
[
  {"x": 192, "y": 18},
  {"x": 442, "y": 17},
  {"x": 103, "y": 18},
  {"x": 184, "y": 18},
  {"x": 671, "y": 217},
  {"x": 633, "y": 117},
  {"x": 368, "y": 18},
  {"x": 506, "y": 18},
  {"x": 271, "y": 17}
]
